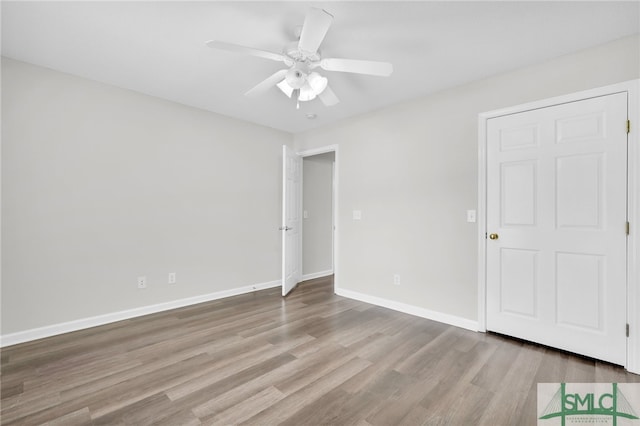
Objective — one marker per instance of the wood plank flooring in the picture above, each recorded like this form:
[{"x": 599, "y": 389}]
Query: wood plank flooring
[{"x": 313, "y": 358}]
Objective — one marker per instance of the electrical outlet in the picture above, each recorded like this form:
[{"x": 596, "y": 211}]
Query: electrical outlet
[
  {"x": 396, "y": 279},
  {"x": 142, "y": 282},
  {"x": 172, "y": 278}
]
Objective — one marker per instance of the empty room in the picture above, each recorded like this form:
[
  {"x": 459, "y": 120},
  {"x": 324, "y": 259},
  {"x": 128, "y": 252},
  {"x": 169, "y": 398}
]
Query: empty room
[{"x": 365, "y": 213}]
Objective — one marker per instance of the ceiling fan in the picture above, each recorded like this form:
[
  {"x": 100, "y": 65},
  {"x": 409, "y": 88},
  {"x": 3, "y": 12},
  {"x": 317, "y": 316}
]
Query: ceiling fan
[{"x": 299, "y": 81}]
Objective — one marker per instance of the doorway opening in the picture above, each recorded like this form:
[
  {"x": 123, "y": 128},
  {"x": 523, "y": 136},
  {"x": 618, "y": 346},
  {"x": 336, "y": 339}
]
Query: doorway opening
[{"x": 318, "y": 217}]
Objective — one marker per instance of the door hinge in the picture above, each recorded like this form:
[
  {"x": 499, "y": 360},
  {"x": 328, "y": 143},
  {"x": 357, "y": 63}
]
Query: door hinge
[
  {"x": 627, "y": 330},
  {"x": 627, "y": 228},
  {"x": 628, "y": 126}
]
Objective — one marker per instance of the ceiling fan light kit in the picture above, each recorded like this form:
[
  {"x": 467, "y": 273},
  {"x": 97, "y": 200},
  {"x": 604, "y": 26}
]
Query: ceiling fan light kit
[
  {"x": 310, "y": 85},
  {"x": 299, "y": 81}
]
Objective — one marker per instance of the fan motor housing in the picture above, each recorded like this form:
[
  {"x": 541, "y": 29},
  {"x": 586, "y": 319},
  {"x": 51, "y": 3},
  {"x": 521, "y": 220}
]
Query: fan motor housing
[{"x": 297, "y": 55}]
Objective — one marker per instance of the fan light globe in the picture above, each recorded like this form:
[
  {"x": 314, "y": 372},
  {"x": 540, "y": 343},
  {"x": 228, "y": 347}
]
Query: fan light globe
[
  {"x": 317, "y": 82},
  {"x": 286, "y": 89},
  {"x": 306, "y": 94},
  {"x": 296, "y": 77}
]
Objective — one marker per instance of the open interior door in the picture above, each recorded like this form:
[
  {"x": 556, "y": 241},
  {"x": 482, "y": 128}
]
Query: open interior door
[{"x": 291, "y": 224}]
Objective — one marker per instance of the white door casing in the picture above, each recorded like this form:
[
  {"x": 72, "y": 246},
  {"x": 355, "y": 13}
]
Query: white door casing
[
  {"x": 291, "y": 223},
  {"x": 556, "y": 199}
]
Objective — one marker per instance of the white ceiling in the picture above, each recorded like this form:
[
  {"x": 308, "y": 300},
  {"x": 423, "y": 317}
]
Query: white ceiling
[{"x": 158, "y": 48}]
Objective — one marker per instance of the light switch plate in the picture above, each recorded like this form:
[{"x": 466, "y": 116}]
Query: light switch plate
[
  {"x": 471, "y": 216},
  {"x": 357, "y": 214}
]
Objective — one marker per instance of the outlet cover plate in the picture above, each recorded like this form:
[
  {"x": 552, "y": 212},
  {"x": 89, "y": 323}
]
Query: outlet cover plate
[{"x": 142, "y": 282}]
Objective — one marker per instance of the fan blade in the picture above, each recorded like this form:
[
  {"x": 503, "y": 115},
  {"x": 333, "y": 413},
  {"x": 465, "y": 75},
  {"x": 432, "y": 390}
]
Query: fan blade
[
  {"x": 328, "y": 97},
  {"x": 267, "y": 84},
  {"x": 315, "y": 27},
  {"x": 229, "y": 47},
  {"x": 382, "y": 69}
]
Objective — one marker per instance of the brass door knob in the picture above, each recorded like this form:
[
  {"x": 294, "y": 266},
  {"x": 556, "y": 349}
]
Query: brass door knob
[{"x": 493, "y": 236}]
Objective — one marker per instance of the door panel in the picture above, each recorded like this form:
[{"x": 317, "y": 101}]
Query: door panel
[
  {"x": 580, "y": 274},
  {"x": 518, "y": 268},
  {"x": 580, "y": 128},
  {"x": 556, "y": 199},
  {"x": 520, "y": 137},
  {"x": 579, "y": 191},
  {"x": 518, "y": 193},
  {"x": 291, "y": 224}
]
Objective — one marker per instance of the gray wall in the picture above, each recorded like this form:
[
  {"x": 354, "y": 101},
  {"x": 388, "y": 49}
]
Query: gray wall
[
  {"x": 412, "y": 171},
  {"x": 317, "y": 192},
  {"x": 101, "y": 185}
]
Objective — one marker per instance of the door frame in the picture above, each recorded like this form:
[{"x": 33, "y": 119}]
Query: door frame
[
  {"x": 334, "y": 213},
  {"x": 632, "y": 88}
]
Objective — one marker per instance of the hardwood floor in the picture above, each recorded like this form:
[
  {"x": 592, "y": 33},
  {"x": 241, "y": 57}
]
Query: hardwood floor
[{"x": 312, "y": 358}]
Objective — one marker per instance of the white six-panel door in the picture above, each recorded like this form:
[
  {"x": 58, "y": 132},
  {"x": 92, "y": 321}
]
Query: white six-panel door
[
  {"x": 291, "y": 225},
  {"x": 556, "y": 210}
]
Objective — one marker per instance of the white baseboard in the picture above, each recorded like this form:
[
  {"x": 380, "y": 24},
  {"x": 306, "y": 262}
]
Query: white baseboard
[
  {"x": 81, "y": 324},
  {"x": 315, "y": 275},
  {"x": 411, "y": 309}
]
